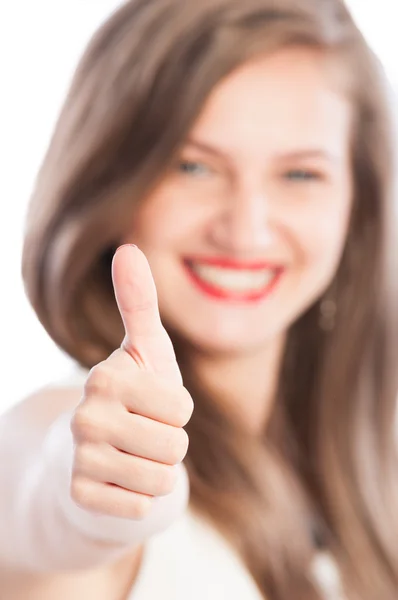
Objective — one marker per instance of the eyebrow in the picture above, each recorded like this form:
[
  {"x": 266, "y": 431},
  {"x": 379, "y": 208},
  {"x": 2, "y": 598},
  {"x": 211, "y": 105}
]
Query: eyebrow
[
  {"x": 308, "y": 154},
  {"x": 205, "y": 147},
  {"x": 299, "y": 154}
]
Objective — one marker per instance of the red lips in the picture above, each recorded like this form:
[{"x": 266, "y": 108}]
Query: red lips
[{"x": 221, "y": 293}]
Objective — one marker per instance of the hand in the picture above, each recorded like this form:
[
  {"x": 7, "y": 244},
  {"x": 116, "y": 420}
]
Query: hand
[{"x": 128, "y": 428}]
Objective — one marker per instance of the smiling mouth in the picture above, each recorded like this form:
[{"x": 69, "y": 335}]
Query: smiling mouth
[{"x": 233, "y": 281}]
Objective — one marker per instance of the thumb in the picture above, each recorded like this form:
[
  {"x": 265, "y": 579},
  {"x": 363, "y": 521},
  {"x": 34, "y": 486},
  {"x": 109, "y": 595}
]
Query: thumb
[{"x": 146, "y": 339}]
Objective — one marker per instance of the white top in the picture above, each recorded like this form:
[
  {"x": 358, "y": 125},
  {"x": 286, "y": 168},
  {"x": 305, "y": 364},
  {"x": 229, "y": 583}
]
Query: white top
[{"x": 192, "y": 560}]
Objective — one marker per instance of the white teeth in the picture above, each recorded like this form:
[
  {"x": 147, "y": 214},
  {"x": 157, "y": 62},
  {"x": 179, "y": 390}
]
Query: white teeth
[{"x": 234, "y": 280}]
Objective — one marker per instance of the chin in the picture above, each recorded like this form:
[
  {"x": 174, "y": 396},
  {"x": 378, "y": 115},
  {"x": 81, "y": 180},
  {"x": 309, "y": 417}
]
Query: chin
[{"x": 220, "y": 340}]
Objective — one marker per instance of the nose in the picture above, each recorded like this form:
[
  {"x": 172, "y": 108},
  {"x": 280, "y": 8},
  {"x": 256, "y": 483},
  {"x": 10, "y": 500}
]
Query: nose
[{"x": 244, "y": 224}]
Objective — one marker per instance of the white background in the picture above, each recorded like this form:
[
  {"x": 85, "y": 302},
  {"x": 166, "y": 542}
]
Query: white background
[{"x": 40, "y": 43}]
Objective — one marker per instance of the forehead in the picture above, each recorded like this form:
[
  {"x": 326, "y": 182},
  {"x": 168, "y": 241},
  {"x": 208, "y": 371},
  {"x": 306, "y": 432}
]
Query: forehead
[{"x": 283, "y": 100}]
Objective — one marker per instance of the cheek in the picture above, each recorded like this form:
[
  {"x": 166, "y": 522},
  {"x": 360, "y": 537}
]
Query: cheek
[
  {"x": 169, "y": 218},
  {"x": 322, "y": 236}
]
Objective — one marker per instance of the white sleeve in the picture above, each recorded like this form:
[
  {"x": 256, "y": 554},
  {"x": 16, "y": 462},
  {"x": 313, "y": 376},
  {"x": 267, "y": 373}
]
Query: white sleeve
[{"x": 50, "y": 532}]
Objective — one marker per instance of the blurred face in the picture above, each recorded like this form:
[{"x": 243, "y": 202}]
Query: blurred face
[{"x": 246, "y": 230}]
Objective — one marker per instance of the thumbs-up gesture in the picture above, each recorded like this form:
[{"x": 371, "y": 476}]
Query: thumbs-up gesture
[{"x": 128, "y": 428}]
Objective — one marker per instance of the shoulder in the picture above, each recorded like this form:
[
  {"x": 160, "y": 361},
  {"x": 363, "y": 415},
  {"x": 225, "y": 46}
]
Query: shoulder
[{"x": 33, "y": 415}]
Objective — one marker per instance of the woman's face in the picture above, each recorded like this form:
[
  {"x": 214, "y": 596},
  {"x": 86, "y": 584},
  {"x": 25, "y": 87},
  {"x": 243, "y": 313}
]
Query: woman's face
[{"x": 247, "y": 229}]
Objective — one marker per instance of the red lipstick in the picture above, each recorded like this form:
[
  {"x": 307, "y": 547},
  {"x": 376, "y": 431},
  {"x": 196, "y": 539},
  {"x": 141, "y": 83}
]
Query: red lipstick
[{"x": 220, "y": 292}]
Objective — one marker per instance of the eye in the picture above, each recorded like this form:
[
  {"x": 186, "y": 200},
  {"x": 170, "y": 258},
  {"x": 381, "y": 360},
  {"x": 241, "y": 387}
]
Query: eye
[
  {"x": 302, "y": 175},
  {"x": 190, "y": 167}
]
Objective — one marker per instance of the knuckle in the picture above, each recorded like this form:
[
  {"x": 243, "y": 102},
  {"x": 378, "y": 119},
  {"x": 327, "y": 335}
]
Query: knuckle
[
  {"x": 140, "y": 507},
  {"x": 184, "y": 407},
  {"x": 183, "y": 444},
  {"x": 165, "y": 480},
  {"x": 85, "y": 426},
  {"x": 177, "y": 446},
  {"x": 100, "y": 381},
  {"x": 80, "y": 492}
]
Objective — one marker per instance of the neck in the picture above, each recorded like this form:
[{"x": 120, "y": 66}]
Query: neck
[{"x": 243, "y": 383}]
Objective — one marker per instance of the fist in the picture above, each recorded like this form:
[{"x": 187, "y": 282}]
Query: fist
[{"x": 128, "y": 428}]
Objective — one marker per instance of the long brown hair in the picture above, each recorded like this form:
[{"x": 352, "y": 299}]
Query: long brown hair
[{"x": 326, "y": 464}]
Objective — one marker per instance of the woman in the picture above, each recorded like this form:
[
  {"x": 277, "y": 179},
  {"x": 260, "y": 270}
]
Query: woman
[{"x": 245, "y": 149}]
